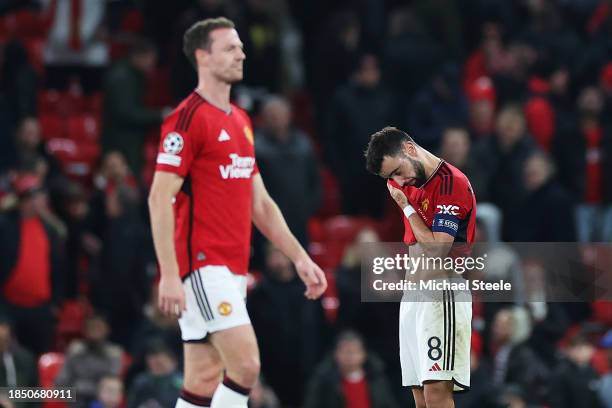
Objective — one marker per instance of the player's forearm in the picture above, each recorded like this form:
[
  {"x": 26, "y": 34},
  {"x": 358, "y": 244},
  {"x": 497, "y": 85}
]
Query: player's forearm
[
  {"x": 426, "y": 237},
  {"x": 269, "y": 220},
  {"x": 162, "y": 226}
]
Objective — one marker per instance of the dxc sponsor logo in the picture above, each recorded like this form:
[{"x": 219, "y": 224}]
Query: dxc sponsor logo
[{"x": 447, "y": 209}]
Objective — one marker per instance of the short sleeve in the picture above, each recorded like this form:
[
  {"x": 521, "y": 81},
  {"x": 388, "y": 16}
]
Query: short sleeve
[
  {"x": 176, "y": 147},
  {"x": 453, "y": 205}
]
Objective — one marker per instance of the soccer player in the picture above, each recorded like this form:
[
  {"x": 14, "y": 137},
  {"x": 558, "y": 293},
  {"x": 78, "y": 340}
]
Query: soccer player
[
  {"x": 205, "y": 193},
  {"x": 440, "y": 209}
]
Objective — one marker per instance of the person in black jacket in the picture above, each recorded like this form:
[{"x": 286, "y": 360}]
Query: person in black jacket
[
  {"x": 287, "y": 162},
  {"x": 291, "y": 330},
  {"x": 31, "y": 267},
  {"x": 547, "y": 214},
  {"x": 574, "y": 382},
  {"x": 350, "y": 377}
]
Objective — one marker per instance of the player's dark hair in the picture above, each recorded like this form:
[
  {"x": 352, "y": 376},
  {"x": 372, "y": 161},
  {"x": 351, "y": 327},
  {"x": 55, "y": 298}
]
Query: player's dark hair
[
  {"x": 198, "y": 35},
  {"x": 385, "y": 142}
]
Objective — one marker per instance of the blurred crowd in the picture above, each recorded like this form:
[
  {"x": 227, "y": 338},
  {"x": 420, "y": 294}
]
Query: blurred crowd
[{"x": 516, "y": 94}]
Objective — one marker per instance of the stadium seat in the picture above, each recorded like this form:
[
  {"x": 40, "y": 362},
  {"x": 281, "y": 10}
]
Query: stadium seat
[
  {"x": 330, "y": 301},
  {"x": 62, "y": 103},
  {"x": 330, "y": 202},
  {"x": 315, "y": 229},
  {"x": 84, "y": 128},
  {"x": 327, "y": 255},
  {"x": 343, "y": 228},
  {"x": 49, "y": 365},
  {"x": 70, "y": 322},
  {"x": 52, "y": 126}
]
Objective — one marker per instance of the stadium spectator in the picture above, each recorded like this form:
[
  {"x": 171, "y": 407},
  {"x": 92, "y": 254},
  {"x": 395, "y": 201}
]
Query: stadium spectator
[
  {"x": 126, "y": 119},
  {"x": 291, "y": 330},
  {"x": 262, "y": 396},
  {"x": 605, "y": 387},
  {"x": 31, "y": 273},
  {"x": 455, "y": 148},
  {"x": 584, "y": 151},
  {"x": 514, "y": 362},
  {"x": 288, "y": 163},
  {"x": 408, "y": 54},
  {"x": 89, "y": 360},
  {"x": 347, "y": 134},
  {"x": 502, "y": 159},
  {"x": 261, "y": 21},
  {"x": 482, "y": 392},
  {"x": 118, "y": 282},
  {"x": 18, "y": 83},
  {"x": 481, "y": 108},
  {"x": 161, "y": 384},
  {"x": 30, "y": 153},
  {"x": 374, "y": 321},
  {"x": 75, "y": 46},
  {"x": 351, "y": 377},
  {"x": 154, "y": 327},
  {"x": 572, "y": 383},
  {"x": 18, "y": 365},
  {"x": 81, "y": 243},
  {"x": 547, "y": 208},
  {"x": 109, "y": 394},
  {"x": 338, "y": 45},
  {"x": 439, "y": 105}
]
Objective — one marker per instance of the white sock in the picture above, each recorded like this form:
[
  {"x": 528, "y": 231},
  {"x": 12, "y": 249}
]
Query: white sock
[{"x": 225, "y": 397}]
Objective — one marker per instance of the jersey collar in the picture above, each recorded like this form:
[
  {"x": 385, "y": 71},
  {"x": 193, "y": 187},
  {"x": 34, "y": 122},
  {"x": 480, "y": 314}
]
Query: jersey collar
[
  {"x": 197, "y": 92},
  {"x": 433, "y": 173}
]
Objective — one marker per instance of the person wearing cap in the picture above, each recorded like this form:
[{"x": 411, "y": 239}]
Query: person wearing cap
[{"x": 30, "y": 265}]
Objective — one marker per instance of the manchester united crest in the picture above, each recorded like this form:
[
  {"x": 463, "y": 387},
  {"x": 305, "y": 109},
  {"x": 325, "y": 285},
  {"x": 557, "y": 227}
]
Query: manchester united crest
[
  {"x": 425, "y": 205},
  {"x": 224, "y": 308}
]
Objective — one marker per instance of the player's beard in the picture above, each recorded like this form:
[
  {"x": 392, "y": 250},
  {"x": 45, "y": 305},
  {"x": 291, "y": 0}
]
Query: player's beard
[{"x": 420, "y": 178}]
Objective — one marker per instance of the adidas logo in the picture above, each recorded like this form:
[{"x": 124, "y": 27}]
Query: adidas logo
[
  {"x": 435, "y": 367},
  {"x": 223, "y": 136}
]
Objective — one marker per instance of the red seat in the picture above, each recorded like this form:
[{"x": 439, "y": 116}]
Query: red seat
[
  {"x": 23, "y": 24},
  {"x": 49, "y": 366},
  {"x": 61, "y": 103},
  {"x": 330, "y": 301},
  {"x": 70, "y": 322},
  {"x": 343, "y": 228},
  {"x": 84, "y": 128},
  {"x": 330, "y": 202},
  {"x": 93, "y": 104},
  {"x": 52, "y": 126}
]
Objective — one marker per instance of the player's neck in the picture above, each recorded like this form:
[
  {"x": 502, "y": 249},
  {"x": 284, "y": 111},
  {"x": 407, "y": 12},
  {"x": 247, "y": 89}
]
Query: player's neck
[
  {"x": 430, "y": 163},
  {"x": 215, "y": 92}
]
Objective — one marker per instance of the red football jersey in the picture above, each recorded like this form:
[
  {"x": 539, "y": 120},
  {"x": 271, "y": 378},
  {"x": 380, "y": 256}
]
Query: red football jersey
[
  {"x": 445, "y": 202},
  {"x": 213, "y": 151}
]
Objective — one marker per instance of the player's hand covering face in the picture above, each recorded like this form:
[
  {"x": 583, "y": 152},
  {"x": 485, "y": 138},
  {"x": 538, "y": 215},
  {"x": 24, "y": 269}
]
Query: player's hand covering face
[
  {"x": 312, "y": 276},
  {"x": 404, "y": 170},
  {"x": 398, "y": 195},
  {"x": 226, "y": 57}
]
